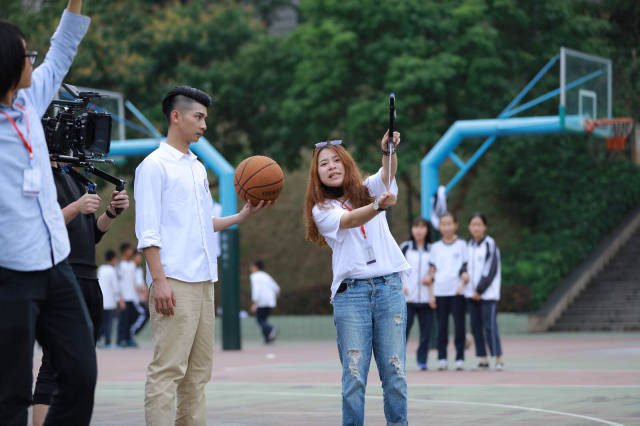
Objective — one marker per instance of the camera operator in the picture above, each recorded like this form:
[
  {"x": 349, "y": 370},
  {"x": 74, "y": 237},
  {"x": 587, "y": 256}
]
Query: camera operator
[
  {"x": 39, "y": 295},
  {"x": 85, "y": 231}
]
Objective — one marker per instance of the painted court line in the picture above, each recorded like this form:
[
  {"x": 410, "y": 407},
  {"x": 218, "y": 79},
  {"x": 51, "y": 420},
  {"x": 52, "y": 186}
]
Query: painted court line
[
  {"x": 430, "y": 385},
  {"x": 439, "y": 401},
  {"x": 510, "y": 385}
]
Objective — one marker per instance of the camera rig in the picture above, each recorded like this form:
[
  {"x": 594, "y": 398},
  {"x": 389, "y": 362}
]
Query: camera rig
[{"x": 78, "y": 137}]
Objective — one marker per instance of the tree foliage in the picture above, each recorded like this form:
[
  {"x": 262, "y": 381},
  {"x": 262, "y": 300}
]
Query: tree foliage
[{"x": 330, "y": 78}]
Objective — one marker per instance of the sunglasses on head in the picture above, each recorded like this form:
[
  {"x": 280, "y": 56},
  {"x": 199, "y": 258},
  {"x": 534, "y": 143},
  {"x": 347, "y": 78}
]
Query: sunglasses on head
[
  {"x": 328, "y": 143},
  {"x": 32, "y": 55}
]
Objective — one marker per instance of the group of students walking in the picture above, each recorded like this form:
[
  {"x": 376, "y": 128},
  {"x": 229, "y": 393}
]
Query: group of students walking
[
  {"x": 449, "y": 278},
  {"x": 125, "y": 296}
]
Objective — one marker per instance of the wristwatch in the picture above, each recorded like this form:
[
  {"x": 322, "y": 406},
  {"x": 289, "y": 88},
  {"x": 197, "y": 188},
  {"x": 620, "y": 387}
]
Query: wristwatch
[{"x": 376, "y": 206}]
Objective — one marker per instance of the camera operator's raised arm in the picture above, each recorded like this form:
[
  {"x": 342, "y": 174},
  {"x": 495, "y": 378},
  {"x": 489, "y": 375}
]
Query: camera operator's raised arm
[
  {"x": 47, "y": 78},
  {"x": 75, "y": 6}
]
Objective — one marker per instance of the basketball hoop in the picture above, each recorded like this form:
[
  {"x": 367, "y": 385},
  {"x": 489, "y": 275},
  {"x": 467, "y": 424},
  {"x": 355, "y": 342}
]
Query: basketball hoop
[{"x": 616, "y": 130}]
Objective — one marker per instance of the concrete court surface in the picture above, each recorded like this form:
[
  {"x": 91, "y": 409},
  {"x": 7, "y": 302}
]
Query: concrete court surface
[{"x": 551, "y": 379}]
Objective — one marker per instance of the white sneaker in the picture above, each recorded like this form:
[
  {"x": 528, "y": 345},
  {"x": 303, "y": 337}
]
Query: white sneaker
[
  {"x": 442, "y": 365},
  {"x": 459, "y": 365}
]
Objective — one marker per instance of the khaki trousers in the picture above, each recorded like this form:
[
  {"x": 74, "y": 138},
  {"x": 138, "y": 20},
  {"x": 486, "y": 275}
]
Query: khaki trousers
[{"x": 182, "y": 357}]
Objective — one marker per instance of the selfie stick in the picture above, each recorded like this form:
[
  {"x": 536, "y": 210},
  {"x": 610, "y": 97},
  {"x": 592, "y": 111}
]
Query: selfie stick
[{"x": 392, "y": 117}]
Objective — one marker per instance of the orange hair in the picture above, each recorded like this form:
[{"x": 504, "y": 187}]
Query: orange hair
[{"x": 353, "y": 189}]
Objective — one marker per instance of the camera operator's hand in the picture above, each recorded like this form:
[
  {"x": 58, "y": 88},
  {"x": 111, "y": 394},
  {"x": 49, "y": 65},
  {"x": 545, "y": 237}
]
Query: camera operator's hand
[
  {"x": 88, "y": 203},
  {"x": 119, "y": 200}
]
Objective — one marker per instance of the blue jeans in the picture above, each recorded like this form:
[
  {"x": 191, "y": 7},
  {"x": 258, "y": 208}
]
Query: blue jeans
[{"x": 371, "y": 314}]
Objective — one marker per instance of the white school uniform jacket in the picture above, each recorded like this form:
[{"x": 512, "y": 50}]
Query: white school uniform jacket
[
  {"x": 484, "y": 269},
  {"x": 418, "y": 258},
  {"x": 450, "y": 261},
  {"x": 264, "y": 289},
  {"x": 108, "y": 280},
  {"x": 127, "y": 279}
]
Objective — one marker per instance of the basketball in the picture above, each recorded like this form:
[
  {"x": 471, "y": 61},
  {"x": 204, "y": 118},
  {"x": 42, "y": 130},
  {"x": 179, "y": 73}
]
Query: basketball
[{"x": 258, "y": 178}]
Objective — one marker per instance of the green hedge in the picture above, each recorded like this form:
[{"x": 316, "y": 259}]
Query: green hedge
[{"x": 568, "y": 193}]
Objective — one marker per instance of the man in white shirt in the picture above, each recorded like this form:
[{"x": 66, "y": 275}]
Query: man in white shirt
[
  {"x": 127, "y": 281},
  {"x": 111, "y": 298},
  {"x": 264, "y": 291},
  {"x": 175, "y": 228}
]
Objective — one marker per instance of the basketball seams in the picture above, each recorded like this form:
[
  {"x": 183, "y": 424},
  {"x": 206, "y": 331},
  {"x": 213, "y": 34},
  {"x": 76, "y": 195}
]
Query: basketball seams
[
  {"x": 242, "y": 183},
  {"x": 243, "y": 169},
  {"x": 239, "y": 178},
  {"x": 268, "y": 184},
  {"x": 246, "y": 191},
  {"x": 259, "y": 170},
  {"x": 254, "y": 197}
]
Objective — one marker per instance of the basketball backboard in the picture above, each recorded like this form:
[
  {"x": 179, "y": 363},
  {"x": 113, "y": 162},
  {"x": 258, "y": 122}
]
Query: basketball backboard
[{"x": 585, "y": 90}]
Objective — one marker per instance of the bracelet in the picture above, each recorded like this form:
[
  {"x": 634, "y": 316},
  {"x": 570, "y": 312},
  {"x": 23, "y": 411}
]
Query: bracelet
[
  {"x": 386, "y": 153},
  {"x": 108, "y": 213}
]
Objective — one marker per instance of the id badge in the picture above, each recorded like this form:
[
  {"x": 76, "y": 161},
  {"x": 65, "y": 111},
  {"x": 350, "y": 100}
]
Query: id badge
[
  {"x": 369, "y": 254},
  {"x": 31, "y": 184}
]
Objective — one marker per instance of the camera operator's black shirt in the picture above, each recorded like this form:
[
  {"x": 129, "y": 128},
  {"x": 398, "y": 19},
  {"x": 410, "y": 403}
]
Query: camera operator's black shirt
[{"x": 83, "y": 229}]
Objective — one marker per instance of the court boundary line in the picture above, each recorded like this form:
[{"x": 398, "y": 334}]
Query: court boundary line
[
  {"x": 411, "y": 385},
  {"x": 421, "y": 385},
  {"x": 452, "y": 402}
]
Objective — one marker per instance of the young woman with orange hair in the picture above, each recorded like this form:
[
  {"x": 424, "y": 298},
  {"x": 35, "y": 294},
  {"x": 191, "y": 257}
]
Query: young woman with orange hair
[{"x": 369, "y": 311}]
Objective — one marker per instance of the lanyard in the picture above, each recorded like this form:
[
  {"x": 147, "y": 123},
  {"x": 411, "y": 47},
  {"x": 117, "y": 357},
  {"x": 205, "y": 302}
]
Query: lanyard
[
  {"x": 364, "y": 233},
  {"x": 24, "y": 141}
]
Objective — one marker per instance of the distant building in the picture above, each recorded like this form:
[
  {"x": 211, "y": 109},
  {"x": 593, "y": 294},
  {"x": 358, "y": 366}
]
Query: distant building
[
  {"x": 283, "y": 19},
  {"x": 32, "y": 4}
]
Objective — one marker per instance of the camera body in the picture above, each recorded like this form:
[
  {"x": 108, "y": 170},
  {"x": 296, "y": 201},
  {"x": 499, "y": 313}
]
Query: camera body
[{"x": 73, "y": 129}]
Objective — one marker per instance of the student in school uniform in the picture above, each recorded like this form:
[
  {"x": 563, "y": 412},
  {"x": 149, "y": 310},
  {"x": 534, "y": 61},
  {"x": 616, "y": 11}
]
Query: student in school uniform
[
  {"x": 448, "y": 272},
  {"x": 111, "y": 298},
  {"x": 483, "y": 291},
  {"x": 416, "y": 286},
  {"x": 127, "y": 279},
  {"x": 264, "y": 293}
]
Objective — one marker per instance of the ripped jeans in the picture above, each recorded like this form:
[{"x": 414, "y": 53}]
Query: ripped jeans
[{"x": 371, "y": 315}]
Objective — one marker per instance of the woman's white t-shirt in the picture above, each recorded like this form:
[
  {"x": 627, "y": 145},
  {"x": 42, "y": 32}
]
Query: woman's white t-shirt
[
  {"x": 450, "y": 260},
  {"x": 349, "y": 259}
]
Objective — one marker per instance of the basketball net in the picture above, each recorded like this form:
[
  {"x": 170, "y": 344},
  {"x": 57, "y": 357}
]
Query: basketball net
[{"x": 619, "y": 130}]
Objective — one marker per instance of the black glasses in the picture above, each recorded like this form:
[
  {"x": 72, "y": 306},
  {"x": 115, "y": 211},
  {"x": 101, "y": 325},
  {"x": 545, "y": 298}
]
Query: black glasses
[
  {"x": 327, "y": 143},
  {"x": 32, "y": 55}
]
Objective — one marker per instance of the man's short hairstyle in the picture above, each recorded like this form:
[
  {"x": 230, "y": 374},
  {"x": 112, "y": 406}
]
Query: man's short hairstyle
[
  {"x": 182, "y": 96},
  {"x": 124, "y": 247},
  {"x": 109, "y": 255},
  {"x": 259, "y": 264},
  {"x": 12, "y": 57}
]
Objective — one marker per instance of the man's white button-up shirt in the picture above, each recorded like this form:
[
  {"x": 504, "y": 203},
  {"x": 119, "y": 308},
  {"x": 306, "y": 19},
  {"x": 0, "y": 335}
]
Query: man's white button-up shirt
[{"x": 174, "y": 212}]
